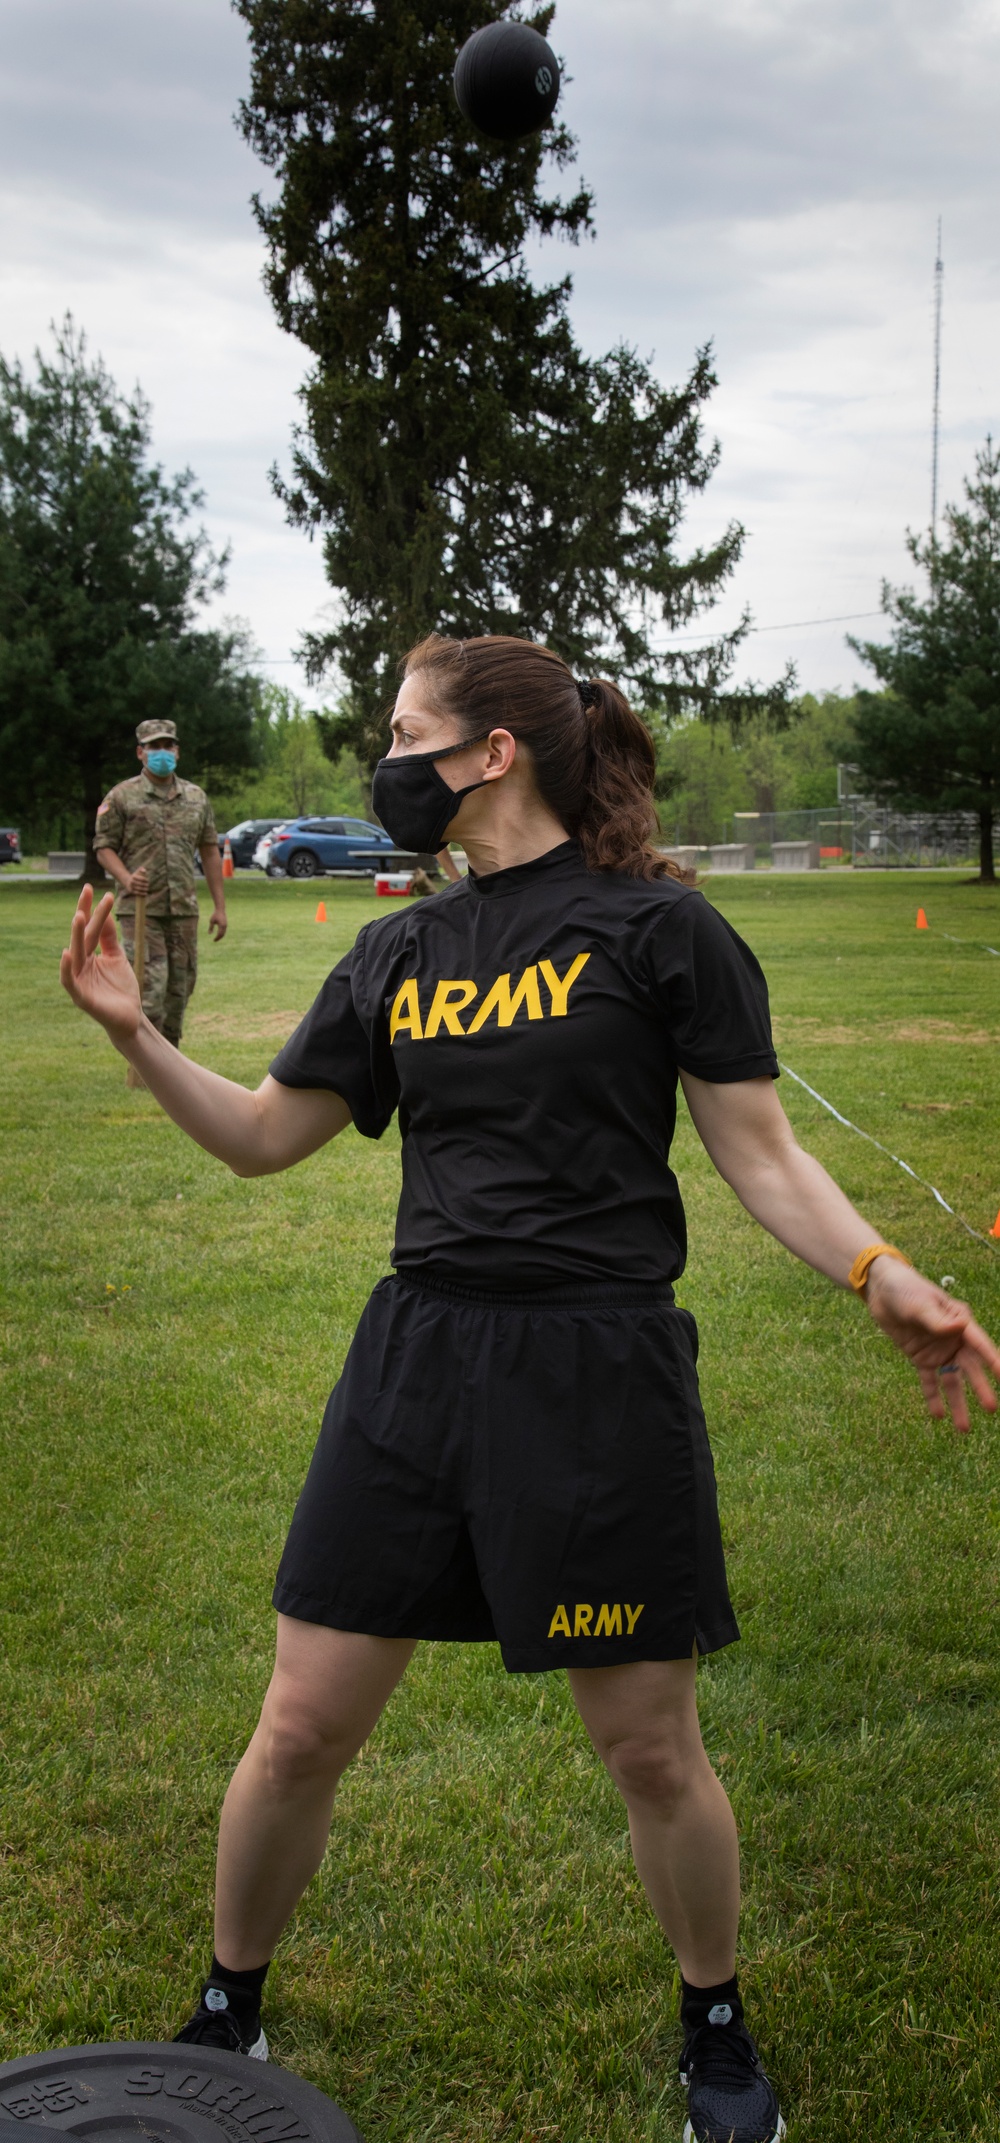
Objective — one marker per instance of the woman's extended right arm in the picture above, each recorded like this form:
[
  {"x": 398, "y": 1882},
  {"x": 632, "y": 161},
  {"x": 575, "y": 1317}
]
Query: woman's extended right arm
[{"x": 255, "y": 1134}]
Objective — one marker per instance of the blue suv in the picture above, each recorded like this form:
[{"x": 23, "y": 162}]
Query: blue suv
[{"x": 303, "y": 847}]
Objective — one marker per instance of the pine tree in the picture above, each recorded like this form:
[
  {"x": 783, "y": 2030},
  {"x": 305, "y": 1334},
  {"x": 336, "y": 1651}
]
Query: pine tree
[
  {"x": 100, "y": 583},
  {"x": 470, "y": 470},
  {"x": 932, "y": 741}
]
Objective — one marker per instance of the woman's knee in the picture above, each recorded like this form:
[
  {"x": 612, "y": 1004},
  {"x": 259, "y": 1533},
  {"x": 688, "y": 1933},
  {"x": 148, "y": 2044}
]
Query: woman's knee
[
  {"x": 297, "y": 1743},
  {"x": 653, "y": 1770}
]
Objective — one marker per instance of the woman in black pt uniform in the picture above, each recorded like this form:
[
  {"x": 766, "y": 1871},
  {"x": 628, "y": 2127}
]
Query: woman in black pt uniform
[{"x": 516, "y": 1449}]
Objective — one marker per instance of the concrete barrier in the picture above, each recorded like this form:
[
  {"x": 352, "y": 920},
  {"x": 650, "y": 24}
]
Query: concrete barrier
[
  {"x": 66, "y": 862},
  {"x": 733, "y": 856},
  {"x": 795, "y": 855},
  {"x": 686, "y": 857}
]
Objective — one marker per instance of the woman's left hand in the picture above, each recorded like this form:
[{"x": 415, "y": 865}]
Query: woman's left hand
[{"x": 940, "y": 1336}]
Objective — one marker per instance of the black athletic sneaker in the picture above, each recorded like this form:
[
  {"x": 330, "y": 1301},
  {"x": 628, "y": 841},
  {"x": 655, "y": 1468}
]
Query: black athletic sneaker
[
  {"x": 729, "y": 2097},
  {"x": 221, "y": 2019}
]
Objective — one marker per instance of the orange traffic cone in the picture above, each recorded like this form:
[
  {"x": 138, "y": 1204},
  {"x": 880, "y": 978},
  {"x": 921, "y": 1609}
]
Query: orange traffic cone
[
  {"x": 321, "y": 912},
  {"x": 227, "y": 859},
  {"x": 995, "y": 1230},
  {"x": 922, "y": 922}
]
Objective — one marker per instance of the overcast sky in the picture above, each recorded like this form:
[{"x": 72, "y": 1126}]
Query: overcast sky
[{"x": 768, "y": 174}]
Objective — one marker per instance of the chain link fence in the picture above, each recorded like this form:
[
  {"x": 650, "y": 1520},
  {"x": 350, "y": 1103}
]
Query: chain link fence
[{"x": 869, "y": 836}]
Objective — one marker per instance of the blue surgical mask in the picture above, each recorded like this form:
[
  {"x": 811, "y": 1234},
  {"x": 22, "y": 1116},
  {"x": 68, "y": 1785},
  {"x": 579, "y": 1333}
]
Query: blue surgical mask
[{"x": 161, "y": 762}]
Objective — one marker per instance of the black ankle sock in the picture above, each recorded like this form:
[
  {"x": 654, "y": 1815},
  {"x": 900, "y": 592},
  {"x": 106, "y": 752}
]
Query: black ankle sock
[
  {"x": 699, "y": 2003},
  {"x": 250, "y": 1984}
]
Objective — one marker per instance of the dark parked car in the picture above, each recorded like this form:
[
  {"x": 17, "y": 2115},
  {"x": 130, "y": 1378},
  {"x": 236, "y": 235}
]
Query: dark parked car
[
  {"x": 243, "y": 838},
  {"x": 306, "y": 846},
  {"x": 10, "y": 845}
]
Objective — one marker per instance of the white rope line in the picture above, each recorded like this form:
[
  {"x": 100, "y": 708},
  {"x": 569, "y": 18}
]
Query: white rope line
[
  {"x": 904, "y": 1165},
  {"x": 969, "y": 941}
]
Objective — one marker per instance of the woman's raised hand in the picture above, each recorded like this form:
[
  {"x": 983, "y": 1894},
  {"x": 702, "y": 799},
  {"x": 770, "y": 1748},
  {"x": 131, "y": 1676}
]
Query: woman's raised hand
[
  {"x": 940, "y": 1336},
  {"x": 95, "y": 971}
]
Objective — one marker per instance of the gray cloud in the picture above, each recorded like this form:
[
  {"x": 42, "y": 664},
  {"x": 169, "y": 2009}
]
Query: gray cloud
[
  {"x": 749, "y": 108},
  {"x": 127, "y": 104}
]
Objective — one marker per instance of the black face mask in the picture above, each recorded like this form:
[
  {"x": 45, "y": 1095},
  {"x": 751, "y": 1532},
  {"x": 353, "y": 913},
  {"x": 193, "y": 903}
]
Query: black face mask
[{"x": 413, "y": 803}]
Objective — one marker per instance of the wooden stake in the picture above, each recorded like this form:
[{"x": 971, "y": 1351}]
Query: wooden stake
[{"x": 139, "y": 969}]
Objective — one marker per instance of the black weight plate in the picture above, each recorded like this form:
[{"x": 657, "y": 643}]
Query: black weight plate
[{"x": 168, "y": 2093}]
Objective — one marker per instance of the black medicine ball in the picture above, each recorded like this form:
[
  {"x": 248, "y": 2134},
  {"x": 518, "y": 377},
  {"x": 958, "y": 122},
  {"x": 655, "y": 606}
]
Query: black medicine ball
[{"x": 507, "y": 80}]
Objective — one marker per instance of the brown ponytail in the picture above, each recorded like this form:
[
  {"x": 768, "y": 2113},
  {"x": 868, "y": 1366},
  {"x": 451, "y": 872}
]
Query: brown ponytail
[{"x": 593, "y": 759}]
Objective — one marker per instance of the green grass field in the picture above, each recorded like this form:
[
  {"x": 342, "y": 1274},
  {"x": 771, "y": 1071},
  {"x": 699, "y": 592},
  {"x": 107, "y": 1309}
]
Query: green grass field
[{"x": 475, "y": 1961}]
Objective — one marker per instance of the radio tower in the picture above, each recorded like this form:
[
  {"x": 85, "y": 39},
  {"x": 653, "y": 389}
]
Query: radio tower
[{"x": 938, "y": 291}]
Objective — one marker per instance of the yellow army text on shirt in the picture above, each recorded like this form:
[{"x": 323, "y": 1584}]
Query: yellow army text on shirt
[{"x": 158, "y": 830}]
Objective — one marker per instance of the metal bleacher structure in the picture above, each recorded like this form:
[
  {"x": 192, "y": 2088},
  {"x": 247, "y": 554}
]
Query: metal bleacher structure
[{"x": 856, "y": 832}]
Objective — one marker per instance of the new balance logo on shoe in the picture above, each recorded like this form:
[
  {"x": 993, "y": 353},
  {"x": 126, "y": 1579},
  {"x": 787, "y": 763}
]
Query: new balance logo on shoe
[
  {"x": 215, "y": 1999},
  {"x": 721, "y": 2014}
]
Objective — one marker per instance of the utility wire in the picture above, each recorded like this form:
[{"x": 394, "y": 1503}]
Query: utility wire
[{"x": 844, "y": 617}]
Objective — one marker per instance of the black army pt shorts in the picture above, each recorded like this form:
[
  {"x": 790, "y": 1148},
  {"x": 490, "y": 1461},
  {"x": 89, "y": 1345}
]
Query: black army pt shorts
[{"x": 530, "y": 1471}]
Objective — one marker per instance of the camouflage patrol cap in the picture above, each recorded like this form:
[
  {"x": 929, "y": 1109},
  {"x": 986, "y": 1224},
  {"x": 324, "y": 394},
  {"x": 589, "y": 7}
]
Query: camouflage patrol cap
[{"x": 151, "y": 732}]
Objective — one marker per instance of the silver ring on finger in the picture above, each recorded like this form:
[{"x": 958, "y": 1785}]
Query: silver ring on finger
[{"x": 949, "y": 1369}]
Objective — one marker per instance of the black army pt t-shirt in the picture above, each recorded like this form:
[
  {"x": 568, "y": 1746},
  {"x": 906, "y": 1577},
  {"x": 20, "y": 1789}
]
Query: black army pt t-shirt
[{"x": 529, "y": 1027}]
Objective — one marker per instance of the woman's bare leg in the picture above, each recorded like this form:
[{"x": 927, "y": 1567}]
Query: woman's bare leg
[
  {"x": 326, "y": 1693},
  {"x": 643, "y": 1722}
]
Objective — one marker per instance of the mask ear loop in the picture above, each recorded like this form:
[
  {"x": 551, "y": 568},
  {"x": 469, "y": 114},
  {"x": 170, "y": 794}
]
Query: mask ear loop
[
  {"x": 451, "y": 749},
  {"x": 427, "y": 758}
]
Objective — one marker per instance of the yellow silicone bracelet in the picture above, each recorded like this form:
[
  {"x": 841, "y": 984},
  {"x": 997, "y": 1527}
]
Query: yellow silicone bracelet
[{"x": 858, "y": 1275}]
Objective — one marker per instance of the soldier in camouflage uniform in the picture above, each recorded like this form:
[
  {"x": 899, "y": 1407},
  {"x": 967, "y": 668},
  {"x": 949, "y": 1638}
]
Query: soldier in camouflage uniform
[{"x": 146, "y": 835}]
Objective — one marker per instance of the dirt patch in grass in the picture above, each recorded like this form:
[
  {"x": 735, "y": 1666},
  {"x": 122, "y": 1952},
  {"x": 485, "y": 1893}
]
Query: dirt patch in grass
[
  {"x": 148, "y": 1116},
  {"x": 829, "y": 1034},
  {"x": 246, "y": 1026},
  {"x": 936, "y": 1108},
  {"x": 789, "y": 1031},
  {"x": 943, "y": 1030}
]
